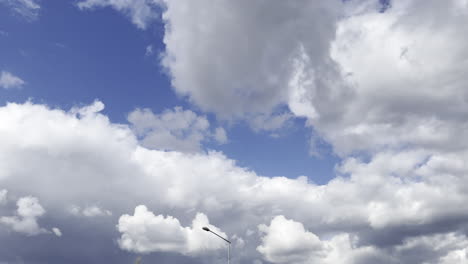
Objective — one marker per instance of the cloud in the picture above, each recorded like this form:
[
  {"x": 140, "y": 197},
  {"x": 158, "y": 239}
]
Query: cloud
[
  {"x": 141, "y": 12},
  {"x": 88, "y": 110},
  {"x": 385, "y": 89},
  {"x": 28, "y": 9},
  {"x": 286, "y": 241},
  {"x": 220, "y": 135},
  {"x": 89, "y": 211},
  {"x": 366, "y": 77},
  {"x": 377, "y": 205},
  {"x": 263, "y": 122},
  {"x": 149, "y": 50},
  {"x": 252, "y": 66},
  {"x": 177, "y": 129},
  {"x": 3, "y": 196},
  {"x": 57, "y": 231},
  {"x": 405, "y": 92},
  {"x": 25, "y": 221},
  {"x": 145, "y": 232},
  {"x": 9, "y": 81}
]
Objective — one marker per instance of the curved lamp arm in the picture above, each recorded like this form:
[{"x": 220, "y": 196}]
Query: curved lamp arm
[{"x": 229, "y": 242}]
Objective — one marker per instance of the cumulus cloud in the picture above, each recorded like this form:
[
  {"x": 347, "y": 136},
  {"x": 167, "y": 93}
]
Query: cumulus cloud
[
  {"x": 286, "y": 241},
  {"x": 377, "y": 205},
  {"x": 254, "y": 53},
  {"x": 177, "y": 129},
  {"x": 28, "y": 9},
  {"x": 25, "y": 221},
  {"x": 145, "y": 232},
  {"x": 9, "y": 81},
  {"x": 141, "y": 12},
  {"x": 406, "y": 93}
]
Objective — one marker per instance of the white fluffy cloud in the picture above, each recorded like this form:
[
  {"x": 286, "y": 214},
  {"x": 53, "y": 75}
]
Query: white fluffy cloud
[
  {"x": 235, "y": 57},
  {"x": 286, "y": 241},
  {"x": 145, "y": 232},
  {"x": 28, "y": 9},
  {"x": 384, "y": 202},
  {"x": 178, "y": 129},
  {"x": 9, "y": 81},
  {"x": 406, "y": 70},
  {"x": 25, "y": 221}
]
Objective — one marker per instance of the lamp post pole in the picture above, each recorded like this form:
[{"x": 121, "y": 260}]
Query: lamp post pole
[{"x": 229, "y": 242}]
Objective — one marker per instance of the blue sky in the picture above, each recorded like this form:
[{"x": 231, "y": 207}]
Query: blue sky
[{"x": 302, "y": 131}]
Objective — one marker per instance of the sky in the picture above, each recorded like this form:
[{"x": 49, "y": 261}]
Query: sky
[{"x": 302, "y": 131}]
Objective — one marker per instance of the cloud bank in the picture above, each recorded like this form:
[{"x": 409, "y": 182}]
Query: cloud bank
[
  {"x": 397, "y": 200},
  {"x": 385, "y": 88}
]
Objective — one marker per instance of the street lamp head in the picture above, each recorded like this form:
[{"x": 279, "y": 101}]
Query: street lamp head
[{"x": 229, "y": 242}]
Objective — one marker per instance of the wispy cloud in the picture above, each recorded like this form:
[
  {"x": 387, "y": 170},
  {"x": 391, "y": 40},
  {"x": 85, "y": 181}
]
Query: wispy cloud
[
  {"x": 28, "y": 9},
  {"x": 141, "y": 12},
  {"x": 10, "y": 81},
  {"x": 149, "y": 50}
]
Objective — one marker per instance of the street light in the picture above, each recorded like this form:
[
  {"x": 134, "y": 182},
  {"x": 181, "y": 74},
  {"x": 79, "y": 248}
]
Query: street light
[{"x": 229, "y": 242}]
